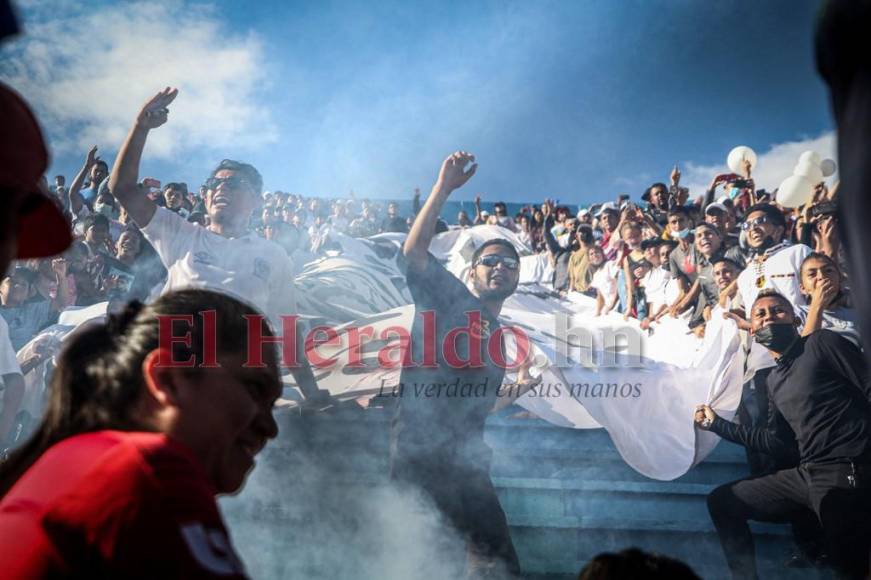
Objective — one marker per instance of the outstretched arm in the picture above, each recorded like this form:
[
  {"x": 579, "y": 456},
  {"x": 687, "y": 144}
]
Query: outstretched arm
[
  {"x": 125, "y": 173},
  {"x": 452, "y": 175},
  {"x": 75, "y": 197},
  {"x": 478, "y": 218}
]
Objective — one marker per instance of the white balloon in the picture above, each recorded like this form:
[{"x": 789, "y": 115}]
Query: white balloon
[
  {"x": 739, "y": 154},
  {"x": 810, "y": 170},
  {"x": 795, "y": 190},
  {"x": 829, "y": 167},
  {"x": 811, "y": 156}
]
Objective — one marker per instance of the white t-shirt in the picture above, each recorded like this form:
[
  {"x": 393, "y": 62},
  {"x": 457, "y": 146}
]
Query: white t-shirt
[
  {"x": 605, "y": 280},
  {"x": 781, "y": 271},
  {"x": 506, "y": 221},
  {"x": 8, "y": 362},
  {"x": 251, "y": 268},
  {"x": 654, "y": 283}
]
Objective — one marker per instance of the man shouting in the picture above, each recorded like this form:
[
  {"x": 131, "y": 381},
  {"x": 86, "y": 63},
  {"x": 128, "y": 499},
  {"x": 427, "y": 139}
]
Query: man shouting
[{"x": 437, "y": 437}]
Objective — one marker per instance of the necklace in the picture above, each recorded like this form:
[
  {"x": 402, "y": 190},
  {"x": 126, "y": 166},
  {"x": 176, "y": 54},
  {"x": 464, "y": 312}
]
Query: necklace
[{"x": 759, "y": 263}]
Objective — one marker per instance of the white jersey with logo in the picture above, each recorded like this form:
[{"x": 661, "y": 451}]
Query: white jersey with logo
[
  {"x": 251, "y": 268},
  {"x": 780, "y": 271}
]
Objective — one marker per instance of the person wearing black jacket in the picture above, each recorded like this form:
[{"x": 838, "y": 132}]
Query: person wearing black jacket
[{"x": 821, "y": 388}]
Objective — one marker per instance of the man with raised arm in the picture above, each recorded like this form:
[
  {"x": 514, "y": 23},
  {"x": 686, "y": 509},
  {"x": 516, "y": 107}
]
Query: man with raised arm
[
  {"x": 453, "y": 381},
  {"x": 224, "y": 255}
]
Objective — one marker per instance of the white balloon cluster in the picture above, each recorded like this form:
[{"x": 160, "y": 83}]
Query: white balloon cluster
[{"x": 798, "y": 188}]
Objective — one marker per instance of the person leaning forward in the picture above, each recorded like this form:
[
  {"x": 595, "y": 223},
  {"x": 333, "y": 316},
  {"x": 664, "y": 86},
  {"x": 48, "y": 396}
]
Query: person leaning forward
[{"x": 822, "y": 389}]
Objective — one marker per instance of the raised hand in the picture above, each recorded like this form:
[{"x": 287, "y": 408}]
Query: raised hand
[
  {"x": 546, "y": 209},
  {"x": 59, "y": 267},
  {"x": 154, "y": 113},
  {"x": 92, "y": 158},
  {"x": 453, "y": 173},
  {"x": 743, "y": 323},
  {"x": 675, "y": 175},
  {"x": 827, "y": 228}
]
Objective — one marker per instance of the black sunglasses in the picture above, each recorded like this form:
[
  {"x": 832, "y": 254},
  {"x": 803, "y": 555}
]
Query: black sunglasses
[
  {"x": 233, "y": 182},
  {"x": 493, "y": 260},
  {"x": 757, "y": 222}
]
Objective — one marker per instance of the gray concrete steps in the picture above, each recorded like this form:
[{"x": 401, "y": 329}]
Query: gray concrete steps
[{"x": 567, "y": 495}]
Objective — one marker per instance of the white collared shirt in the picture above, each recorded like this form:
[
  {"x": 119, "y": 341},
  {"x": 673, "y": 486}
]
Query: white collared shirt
[
  {"x": 251, "y": 268},
  {"x": 655, "y": 282}
]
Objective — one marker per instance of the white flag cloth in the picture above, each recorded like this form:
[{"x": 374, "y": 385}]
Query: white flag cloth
[
  {"x": 647, "y": 407},
  {"x": 645, "y": 402}
]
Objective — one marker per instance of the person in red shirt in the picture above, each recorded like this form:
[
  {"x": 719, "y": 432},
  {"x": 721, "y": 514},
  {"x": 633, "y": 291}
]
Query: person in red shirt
[{"x": 120, "y": 479}]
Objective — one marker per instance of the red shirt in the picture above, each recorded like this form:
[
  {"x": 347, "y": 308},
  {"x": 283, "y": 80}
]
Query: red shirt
[{"x": 115, "y": 505}]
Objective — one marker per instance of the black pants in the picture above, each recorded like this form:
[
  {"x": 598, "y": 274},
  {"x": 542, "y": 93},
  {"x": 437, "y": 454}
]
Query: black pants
[
  {"x": 467, "y": 499},
  {"x": 843, "y": 511}
]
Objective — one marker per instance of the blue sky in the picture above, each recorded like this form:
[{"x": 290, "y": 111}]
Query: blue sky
[{"x": 574, "y": 100}]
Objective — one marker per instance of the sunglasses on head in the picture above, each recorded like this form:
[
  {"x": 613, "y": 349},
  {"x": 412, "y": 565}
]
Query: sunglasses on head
[
  {"x": 233, "y": 182},
  {"x": 493, "y": 260},
  {"x": 757, "y": 222}
]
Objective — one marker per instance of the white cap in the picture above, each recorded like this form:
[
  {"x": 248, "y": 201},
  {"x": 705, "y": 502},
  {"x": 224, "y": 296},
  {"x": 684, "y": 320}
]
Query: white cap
[{"x": 608, "y": 205}]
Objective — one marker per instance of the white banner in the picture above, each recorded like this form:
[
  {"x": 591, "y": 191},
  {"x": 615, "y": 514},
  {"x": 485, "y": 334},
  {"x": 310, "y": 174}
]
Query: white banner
[{"x": 645, "y": 402}]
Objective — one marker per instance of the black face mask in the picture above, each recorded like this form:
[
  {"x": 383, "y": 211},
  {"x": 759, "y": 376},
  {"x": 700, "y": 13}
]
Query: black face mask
[{"x": 778, "y": 337}]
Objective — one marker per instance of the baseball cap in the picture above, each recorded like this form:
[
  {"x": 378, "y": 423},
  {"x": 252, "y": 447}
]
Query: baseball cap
[
  {"x": 42, "y": 228},
  {"x": 607, "y": 206},
  {"x": 717, "y": 205}
]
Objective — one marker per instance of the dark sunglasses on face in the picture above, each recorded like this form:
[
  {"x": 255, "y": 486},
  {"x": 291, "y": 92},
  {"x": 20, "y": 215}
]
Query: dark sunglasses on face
[
  {"x": 757, "y": 222},
  {"x": 492, "y": 260},
  {"x": 233, "y": 182}
]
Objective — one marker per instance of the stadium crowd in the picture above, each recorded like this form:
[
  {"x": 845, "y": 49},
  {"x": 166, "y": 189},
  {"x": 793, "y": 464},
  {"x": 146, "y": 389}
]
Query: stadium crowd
[
  {"x": 663, "y": 255},
  {"x": 670, "y": 253}
]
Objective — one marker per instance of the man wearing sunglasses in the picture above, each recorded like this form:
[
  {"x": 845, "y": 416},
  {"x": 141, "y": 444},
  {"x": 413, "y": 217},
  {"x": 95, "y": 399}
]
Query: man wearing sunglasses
[
  {"x": 225, "y": 255},
  {"x": 437, "y": 438},
  {"x": 774, "y": 262}
]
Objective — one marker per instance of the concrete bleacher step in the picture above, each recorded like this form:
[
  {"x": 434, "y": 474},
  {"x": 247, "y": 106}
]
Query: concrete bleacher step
[{"x": 567, "y": 495}]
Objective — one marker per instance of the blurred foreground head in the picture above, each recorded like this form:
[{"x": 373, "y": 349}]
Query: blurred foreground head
[
  {"x": 633, "y": 564},
  {"x": 31, "y": 225}
]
